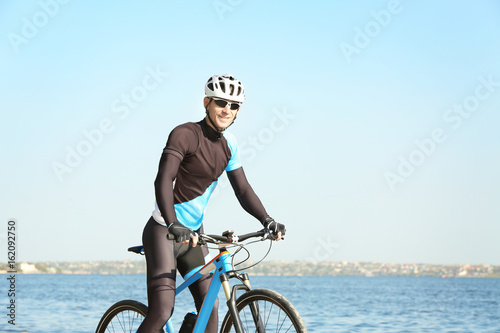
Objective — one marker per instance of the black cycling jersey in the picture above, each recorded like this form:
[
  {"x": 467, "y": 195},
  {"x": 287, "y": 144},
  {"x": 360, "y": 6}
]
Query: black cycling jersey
[{"x": 195, "y": 157}]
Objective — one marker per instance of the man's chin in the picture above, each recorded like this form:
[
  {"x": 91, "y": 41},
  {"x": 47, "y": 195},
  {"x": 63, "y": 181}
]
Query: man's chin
[{"x": 223, "y": 125}]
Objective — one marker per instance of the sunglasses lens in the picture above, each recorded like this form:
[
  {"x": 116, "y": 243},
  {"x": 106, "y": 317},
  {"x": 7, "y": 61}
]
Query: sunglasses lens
[{"x": 220, "y": 103}]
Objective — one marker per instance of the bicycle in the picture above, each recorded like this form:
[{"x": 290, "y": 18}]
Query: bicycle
[{"x": 256, "y": 310}]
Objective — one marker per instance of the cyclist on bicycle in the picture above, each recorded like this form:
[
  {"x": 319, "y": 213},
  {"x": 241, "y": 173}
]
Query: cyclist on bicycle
[{"x": 195, "y": 156}]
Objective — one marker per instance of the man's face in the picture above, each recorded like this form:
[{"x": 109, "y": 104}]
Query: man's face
[{"x": 221, "y": 116}]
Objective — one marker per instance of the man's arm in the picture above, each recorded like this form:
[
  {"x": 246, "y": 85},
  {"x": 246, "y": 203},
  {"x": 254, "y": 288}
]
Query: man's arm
[
  {"x": 164, "y": 189},
  {"x": 246, "y": 195},
  {"x": 251, "y": 203},
  {"x": 181, "y": 141}
]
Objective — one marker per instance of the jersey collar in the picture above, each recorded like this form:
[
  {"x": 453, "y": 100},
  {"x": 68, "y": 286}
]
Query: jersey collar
[{"x": 208, "y": 131}]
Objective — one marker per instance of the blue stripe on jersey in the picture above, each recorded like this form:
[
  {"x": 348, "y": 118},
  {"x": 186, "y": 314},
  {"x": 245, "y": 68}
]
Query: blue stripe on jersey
[
  {"x": 234, "y": 162},
  {"x": 190, "y": 213}
]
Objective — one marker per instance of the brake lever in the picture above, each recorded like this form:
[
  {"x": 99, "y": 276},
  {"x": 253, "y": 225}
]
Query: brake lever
[
  {"x": 201, "y": 241},
  {"x": 270, "y": 235}
]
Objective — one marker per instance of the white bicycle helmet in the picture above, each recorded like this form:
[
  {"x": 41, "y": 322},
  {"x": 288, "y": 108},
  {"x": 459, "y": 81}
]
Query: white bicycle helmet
[{"x": 226, "y": 87}]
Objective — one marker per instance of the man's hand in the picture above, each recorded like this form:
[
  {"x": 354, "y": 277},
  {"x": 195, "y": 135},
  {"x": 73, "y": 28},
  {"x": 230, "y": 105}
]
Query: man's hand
[
  {"x": 182, "y": 234},
  {"x": 277, "y": 229}
]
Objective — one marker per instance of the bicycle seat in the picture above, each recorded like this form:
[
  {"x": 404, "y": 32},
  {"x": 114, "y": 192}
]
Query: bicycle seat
[{"x": 136, "y": 249}]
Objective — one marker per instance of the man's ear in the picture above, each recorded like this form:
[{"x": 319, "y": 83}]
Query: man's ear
[{"x": 206, "y": 100}]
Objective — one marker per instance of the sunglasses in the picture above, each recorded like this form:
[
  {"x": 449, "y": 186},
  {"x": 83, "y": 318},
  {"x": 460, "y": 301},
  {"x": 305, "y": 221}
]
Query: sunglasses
[{"x": 223, "y": 103}]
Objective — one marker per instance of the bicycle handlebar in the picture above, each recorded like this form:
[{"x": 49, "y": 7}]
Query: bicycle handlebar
[
  {"x": 232, "y": 238},
  {"x": 229, "y": 237}
]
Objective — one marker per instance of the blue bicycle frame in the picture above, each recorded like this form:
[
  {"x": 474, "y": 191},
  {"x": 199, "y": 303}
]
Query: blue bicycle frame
[{"x": 221, "y": 265}]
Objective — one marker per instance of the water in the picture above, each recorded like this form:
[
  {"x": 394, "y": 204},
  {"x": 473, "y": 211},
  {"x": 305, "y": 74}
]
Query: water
[{"x": 75, "y": 303}]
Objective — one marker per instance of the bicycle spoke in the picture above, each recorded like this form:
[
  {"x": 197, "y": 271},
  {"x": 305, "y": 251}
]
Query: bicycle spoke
[
  {"x": 122, "y": 317},
  {"x": 269, "y": 315},
  {"x": 109, "y": 328},
  {"x": 125, "y": 321},
  {"x": 282, "y": 323},
  {"x": 264, "y": 316},
  {"x": 133, "y": 322},
  {"x": 246, "y": 321}
]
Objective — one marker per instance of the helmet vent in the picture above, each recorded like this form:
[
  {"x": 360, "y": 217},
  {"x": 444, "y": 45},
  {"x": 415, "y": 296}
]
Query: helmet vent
[{"x": 225, "y": 87}]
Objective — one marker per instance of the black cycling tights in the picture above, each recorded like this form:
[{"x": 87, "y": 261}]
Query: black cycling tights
[{"x": 163, "y": 256}]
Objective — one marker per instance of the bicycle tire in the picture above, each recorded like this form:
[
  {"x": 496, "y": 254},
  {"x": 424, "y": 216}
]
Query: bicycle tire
[
  {"x": 123, "y": 316},
  {"x": 277, "y": 313}
]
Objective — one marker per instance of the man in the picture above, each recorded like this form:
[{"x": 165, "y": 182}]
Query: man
[{"x": 195, "y": 156}]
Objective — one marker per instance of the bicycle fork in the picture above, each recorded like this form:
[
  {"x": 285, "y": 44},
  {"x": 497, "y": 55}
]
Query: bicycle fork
[{"x": 231, "y": 296}]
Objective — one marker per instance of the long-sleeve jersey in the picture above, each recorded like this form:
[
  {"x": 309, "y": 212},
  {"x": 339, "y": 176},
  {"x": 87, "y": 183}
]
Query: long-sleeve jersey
[{"x": 190, "y": 167}]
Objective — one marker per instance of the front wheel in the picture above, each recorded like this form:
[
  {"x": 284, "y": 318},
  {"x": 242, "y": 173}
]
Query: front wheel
[
  {"x": 263, "y": 310},
  {"x": 124, "y": 316}
]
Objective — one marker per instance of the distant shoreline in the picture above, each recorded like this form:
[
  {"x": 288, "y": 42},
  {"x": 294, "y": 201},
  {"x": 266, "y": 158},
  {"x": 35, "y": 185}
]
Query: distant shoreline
[{"x": 273, "y": 268}]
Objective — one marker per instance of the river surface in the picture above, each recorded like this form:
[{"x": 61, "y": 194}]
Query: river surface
[{"x": 75, "y": 303}]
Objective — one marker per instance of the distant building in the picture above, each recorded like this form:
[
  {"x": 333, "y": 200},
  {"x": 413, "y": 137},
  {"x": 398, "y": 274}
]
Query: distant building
[{"x": 28, "y": 268}]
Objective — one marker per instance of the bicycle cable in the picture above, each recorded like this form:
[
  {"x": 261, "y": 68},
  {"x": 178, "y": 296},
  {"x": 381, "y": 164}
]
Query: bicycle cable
[
  {"x": 243, "y": 247},
  {"x": 248, "y": 252}
]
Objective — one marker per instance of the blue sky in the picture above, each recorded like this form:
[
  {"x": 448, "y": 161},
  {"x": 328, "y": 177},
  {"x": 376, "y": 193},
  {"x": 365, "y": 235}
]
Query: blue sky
[{"x": 370, "y": 128}]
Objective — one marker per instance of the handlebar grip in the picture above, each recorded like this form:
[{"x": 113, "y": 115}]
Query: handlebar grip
[
  {"x": 170, "y": 237},
  {"x": 252, "y": 234}
]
